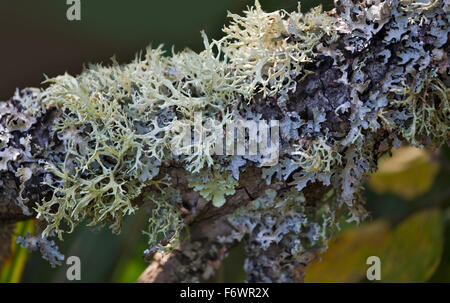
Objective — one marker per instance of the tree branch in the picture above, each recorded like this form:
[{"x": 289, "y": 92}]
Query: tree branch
[{"x": 346, "y": 87}]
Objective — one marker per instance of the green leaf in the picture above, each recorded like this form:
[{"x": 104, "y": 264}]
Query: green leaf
[
  {"x": 415, "y": 248},
  {"x": 13, "y": 267}
]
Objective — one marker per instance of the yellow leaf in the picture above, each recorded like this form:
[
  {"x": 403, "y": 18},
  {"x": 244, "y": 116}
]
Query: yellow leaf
[
  {"x": 409, "y": 252},
  {"x": 408, "y": 173},
  {"x": 345, "y": 259},
  {"x": 12, "y": 268}
]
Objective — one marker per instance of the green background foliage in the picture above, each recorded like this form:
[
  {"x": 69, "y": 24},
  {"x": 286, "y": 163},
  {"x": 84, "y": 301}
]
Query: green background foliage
[{"x": 409, "y": 228}]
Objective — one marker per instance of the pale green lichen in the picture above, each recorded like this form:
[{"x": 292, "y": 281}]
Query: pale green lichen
[
  {"x": 120, "y": 122},
  {"x": 213, "y": 185},
  {"x": 283, "y": 220},
  {"x": 429, "y": 107},
  {"x": 267, "y": 48},
  {"x": 316, "y": 156}
]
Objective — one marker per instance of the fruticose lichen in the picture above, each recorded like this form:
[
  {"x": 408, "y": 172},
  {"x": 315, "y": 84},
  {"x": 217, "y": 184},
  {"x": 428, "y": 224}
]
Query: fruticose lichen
[
  {"x": 119, "y": 122},
  {"x": 346, "y": 86}
]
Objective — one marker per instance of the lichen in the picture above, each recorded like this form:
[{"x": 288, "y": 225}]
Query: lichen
[
  {"x": 284, "y": 221},
  {"x": 21, "y": 152},
  {"x": 165, "y": 223},
  {"x": 213, "y": 186},
  {"x": 49, "y": 250},
  {"x": 345, "y": 86},
  {"x": 267, "y": 48},
  {"x": 119, "y": 122}
]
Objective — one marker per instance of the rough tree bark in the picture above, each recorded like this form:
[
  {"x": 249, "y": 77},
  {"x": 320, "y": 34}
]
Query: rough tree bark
[{"x": 33, "y": 142}]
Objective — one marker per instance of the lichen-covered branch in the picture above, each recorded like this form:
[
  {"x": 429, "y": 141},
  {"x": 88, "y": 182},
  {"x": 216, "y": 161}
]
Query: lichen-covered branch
[{"x": 344, "y": 87}]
